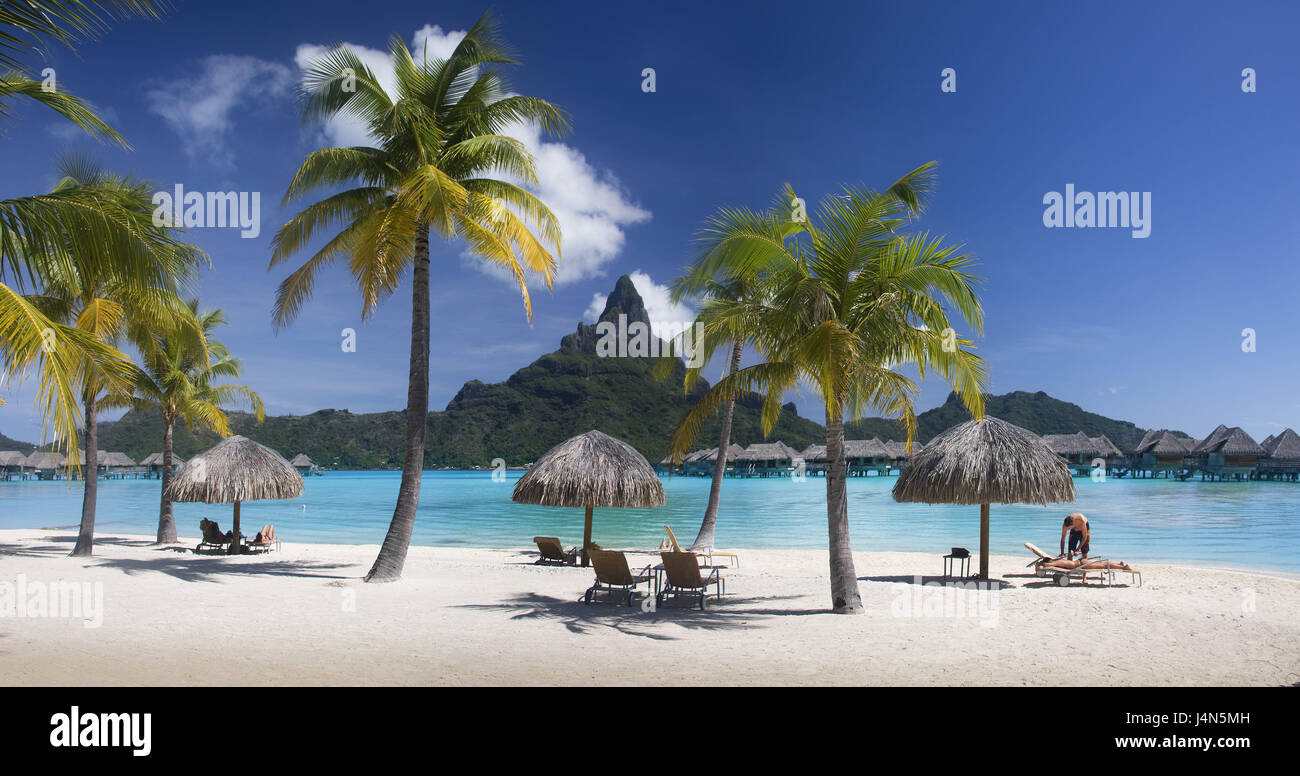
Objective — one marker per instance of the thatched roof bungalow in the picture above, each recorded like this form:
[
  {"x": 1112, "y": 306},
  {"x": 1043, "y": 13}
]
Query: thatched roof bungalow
[
  {"x": 304, "y": 464},
  {"x": 46, "y": 464},
  {"x": 1281, "y": 456},
  {"x": 12, "y": 463},
  {"x": 155, "y": 462},
  {"x": 766, "y": 459},
  {"x": 1228, "y": 452},
  {"x": 1160, "y": 452}
]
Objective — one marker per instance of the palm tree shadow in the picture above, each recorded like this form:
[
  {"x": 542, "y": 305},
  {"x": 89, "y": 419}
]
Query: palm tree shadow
[
  {"x": 577, "y": 617},
  {"x": 201, "y": 568}
]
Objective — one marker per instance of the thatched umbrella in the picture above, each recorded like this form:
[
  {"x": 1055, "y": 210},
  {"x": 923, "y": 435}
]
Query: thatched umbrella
[
  {"x": 591, "y": 470},
  {"x": 984, "y": 462},
  {"x": 237, "y": 469}
]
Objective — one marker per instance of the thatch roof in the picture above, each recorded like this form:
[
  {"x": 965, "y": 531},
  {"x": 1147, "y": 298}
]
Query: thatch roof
[
  {"x": 985, "y": 462},
  {"x": 236, "y": 469},
  {"x": 12, "y": 458},
  {"x": 115, "y": 459},
  {"x": 1104, "y": 446},
  {"x": 591, "y": 469},
  {"x": 43, "y": 460},
  {"x": 1229, "y": 441},
  {"x": 899, "y": 449},
  {"x": 1163, "y": 442},
  {"x": 813, "y": 453},
  {"x": 1285, "y": 446},
  {"x": 301, "y": 461},
  {"x": 769, "y": 451},
  {"x": 865, "y": 448},
  {"x": 156, "y": 459},
  {"x": 1077, "y": 443},
  {"x": 1267, "y": 444}
]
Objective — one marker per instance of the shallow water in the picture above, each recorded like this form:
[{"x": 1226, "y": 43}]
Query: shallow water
[{"x": 1241, "y": 525}]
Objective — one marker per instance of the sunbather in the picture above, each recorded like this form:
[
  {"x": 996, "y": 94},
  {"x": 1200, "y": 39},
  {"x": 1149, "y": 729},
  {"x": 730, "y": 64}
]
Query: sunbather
[{"x": 1084, "y": 563}]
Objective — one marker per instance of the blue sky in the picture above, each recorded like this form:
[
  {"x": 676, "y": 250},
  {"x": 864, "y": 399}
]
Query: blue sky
[{"x": 1105, "y": 96}]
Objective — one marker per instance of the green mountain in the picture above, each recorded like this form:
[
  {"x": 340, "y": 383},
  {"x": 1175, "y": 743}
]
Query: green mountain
[
  {"x": 563, "y": 393},
  {"x": 7, "y": 443},
  {"x": 1037, "y": 412}
]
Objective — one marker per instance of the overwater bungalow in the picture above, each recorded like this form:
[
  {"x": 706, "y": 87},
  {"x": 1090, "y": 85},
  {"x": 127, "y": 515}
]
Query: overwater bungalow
[
  {"x": 766, "y": 459},
  {"x": 1161, "y": 452},
  {"x": 13, "y": 465},
  {"x": 45, "y": 465},
  {"x": 154, "y": 464},
  {"x": 305, "y": 465},
  {"x": 1082, "y": 452},
  {"x": 1227, "y": 453},
  {"x": 1281, "y": 459},
  {"x": 898, "y": 453},
  {"x": 814, "y": 460},
  {"x": 864, "y": 456}
]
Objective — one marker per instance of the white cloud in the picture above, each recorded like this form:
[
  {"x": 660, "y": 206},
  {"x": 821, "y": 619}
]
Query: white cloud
[
  {"x": 658, "y": 304},
  {"x": 591, "y": 205},
  {"x": 199, "y": 108}
]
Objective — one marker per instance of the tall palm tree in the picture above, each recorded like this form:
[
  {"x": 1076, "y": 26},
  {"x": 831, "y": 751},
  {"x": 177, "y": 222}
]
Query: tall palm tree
[
  {"x": 176, "y": 378},
  {"x": 438, "y": 142},
  {"x": 100, "y": 299},
  {"x": 725, "y": 322},
  {"x": 850, "y": 297},
  {"x": 59, "y": 225}
]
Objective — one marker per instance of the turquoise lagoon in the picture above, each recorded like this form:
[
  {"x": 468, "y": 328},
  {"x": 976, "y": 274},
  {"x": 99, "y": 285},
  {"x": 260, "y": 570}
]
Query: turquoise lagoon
[{"x": 1254, "y": 525}]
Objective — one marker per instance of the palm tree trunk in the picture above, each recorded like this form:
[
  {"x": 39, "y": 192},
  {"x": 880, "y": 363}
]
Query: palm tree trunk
[
  {"x": 90, "y": 476},
  {"x": 844, "y": 578},
  {"x": 704, "y": 540},
  {"x": 392, "y": 555},
  {"x": 166, "y": 523}
]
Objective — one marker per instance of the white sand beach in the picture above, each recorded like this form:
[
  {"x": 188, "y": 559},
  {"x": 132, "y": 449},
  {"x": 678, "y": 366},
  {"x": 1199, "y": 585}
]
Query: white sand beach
[{"x": 477, "y": 616}]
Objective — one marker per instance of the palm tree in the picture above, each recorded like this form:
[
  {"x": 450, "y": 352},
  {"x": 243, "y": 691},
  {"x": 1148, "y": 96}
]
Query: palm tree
[
  {"x": 98, "y": 298},
  {"x": 849, "y": 297},
  {"x": 438, "y": 142},
  {"x": 725, "y": 321},
  {"x": 59, "y": 225},
  {"x": 178, "y": 366}
]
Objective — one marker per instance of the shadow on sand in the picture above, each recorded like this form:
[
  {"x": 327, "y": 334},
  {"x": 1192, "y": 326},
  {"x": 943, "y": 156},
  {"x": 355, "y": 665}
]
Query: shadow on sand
[{"x": 732, "y": 612}]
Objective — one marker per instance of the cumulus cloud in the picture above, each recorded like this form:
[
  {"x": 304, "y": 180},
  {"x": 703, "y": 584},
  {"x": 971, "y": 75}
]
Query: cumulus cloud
[
  {"x": 199, "y": 108},
  {"x": 666, "y": 318},
  {"x": 591, "y": 205}
]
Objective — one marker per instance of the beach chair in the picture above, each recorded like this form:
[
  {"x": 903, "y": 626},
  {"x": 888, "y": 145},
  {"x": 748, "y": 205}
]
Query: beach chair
[
  {"x": 1062, "y": 577},
  {"x": 265, "y": 541},
  {"x": 213, "y": 538},
  {"x": 551, "y": 552},
  {"x": 683, "y": 578},
  {"x": 708, "y": 555},
  {"x": 612, "y": 573}
]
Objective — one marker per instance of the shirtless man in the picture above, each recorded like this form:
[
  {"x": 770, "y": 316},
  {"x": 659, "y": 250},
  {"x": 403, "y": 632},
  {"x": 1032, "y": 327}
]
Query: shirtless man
[{"x": 1080, "y": 534}]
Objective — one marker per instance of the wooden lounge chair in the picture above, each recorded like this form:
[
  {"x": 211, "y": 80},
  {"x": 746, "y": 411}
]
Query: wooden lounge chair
[
  {"x": 682, "y": 571},
  {"x": 213, "y": 538},
  {"x": 1104, "y": 569},
  {"x": 551, "y": 552},
  {"x": 708, "y": 556},
  {"x": 265, "y": 541},
  {"x": 612, "y": 573}
]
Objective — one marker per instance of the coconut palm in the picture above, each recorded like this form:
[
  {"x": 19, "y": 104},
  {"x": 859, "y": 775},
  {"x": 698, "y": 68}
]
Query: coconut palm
[
  {"x": 848, "y": 297},
  {"x": 176, "y": 378},
  {"x": 99, "y": 298},
  {"x": 59, "y": 225},
  {"x": 438, "y": 141}
]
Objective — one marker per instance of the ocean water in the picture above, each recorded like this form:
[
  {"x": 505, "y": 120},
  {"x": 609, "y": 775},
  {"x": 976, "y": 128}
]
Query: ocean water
[{"x": 1252, "y": 525}]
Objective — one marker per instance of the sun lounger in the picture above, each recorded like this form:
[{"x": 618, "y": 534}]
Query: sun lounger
[
  {"x": 265, "y": 541},
  {"x": 213, "y": 538},
  {"x": 612, "y": 573},
  {"x": 550, "y": 551},
  {"x": 683, "y": 578},
  {"x": 707, "y": 555},
  {"x": 1062, "y": 576}
]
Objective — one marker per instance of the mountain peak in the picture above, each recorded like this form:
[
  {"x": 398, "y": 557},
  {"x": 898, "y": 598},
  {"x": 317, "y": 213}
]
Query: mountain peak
[{"x": 623, "y": 300}]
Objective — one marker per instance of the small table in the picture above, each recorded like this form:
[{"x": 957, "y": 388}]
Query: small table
[{"x": 950, "y": 560}]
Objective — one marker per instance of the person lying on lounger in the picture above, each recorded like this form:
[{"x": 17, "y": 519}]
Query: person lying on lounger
[{"x": 1084, "y": 563}]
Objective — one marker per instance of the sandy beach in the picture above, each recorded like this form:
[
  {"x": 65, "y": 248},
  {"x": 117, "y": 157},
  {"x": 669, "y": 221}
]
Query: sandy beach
[{"x": 464, "y": 616}]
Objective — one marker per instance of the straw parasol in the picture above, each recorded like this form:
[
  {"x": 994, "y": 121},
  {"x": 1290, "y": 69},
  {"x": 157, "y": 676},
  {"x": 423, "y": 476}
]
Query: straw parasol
[
  {"x": 590, "y": 470},
  {"x": 985, "y": 462},
  {"x": 236, "y": 469}
]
